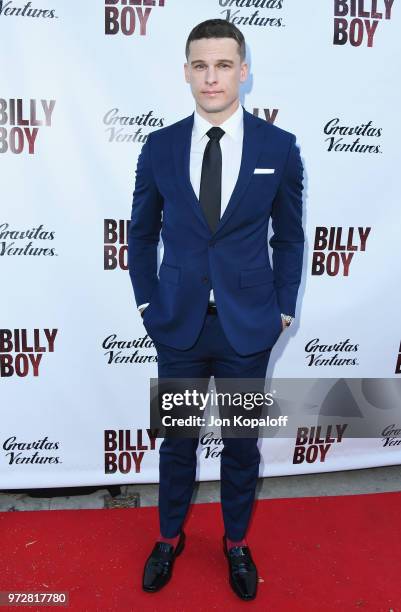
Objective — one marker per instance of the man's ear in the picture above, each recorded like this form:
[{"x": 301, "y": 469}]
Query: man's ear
[{"x": 244, "y": 72}]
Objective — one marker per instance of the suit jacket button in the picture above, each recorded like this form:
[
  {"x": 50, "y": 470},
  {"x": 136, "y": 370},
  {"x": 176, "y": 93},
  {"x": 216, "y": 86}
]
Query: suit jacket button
[
  {"x": 212, "y": 243},
  {"x": 205, "y": 279}
]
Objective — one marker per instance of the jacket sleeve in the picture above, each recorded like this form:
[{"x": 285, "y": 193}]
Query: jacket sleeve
[
  {"x": 144, "y": 228},
  {"x": 288, "y": 238}
]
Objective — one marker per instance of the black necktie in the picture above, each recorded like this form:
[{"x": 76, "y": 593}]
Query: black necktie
[{"x": 210, "y": 184}]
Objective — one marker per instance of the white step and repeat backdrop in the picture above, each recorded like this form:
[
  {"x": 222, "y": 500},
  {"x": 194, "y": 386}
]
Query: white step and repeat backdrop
[{"x": 81, "y": 87}]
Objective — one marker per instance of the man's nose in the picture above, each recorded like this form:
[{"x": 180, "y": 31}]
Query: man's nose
[{"x": 211, "y": 75}]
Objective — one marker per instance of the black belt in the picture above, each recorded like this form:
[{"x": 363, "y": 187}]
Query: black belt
[{"x": 211, "y": 308}]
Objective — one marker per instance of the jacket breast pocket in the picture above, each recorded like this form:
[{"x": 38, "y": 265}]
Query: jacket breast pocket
[
  {"x": 169, "y": 274},
  {"x": 262, "y": 187},
  {"x": 256, "y": 276}
]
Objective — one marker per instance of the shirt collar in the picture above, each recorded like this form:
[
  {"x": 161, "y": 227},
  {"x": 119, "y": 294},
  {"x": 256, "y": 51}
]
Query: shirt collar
[{"x": 233, "y": 126}]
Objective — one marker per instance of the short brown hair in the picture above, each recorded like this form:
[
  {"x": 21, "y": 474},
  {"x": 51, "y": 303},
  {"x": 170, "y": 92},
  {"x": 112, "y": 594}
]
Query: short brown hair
[{"x": 217, "y": 28}]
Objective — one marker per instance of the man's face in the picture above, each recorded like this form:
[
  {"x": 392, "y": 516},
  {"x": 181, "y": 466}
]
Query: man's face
[{"x": 214, "y": 72}]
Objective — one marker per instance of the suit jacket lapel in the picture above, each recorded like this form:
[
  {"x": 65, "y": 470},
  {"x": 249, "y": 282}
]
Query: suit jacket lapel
[
  {"x": 182, "y": 149},
  {"x": 251, "y": 149}
]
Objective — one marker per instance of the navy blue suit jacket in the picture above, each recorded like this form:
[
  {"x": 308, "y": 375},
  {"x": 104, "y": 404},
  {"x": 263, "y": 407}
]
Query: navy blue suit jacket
[{"x": 233, "y": 260}]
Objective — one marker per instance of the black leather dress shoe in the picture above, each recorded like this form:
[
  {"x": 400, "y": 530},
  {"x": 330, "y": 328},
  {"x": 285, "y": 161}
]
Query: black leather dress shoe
[
  {"x": 242, "y": 571},
  {"x": 159, "y": 565}
]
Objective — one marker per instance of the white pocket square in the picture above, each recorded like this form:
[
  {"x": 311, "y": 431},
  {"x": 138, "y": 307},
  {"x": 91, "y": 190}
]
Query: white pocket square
[{"x": 263, "y": 171}]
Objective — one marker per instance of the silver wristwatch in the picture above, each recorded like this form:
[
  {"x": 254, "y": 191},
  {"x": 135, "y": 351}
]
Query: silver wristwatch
[{"x": 287, "y": 319}]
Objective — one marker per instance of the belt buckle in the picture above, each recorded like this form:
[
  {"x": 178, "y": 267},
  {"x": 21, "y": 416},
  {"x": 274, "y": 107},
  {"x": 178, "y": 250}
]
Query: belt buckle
[{"x": 211, "y": 308}]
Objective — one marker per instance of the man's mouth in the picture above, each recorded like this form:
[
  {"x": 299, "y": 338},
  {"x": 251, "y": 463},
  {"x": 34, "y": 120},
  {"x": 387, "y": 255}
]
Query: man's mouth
[{"x": 211, "y": 93}]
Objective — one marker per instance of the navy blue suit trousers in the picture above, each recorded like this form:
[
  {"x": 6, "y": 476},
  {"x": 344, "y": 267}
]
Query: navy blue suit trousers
[{"x": 211, "y": 355}]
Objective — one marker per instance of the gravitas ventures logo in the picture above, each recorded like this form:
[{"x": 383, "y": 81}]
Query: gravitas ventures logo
[
  {"x": 137, "y": 350},
  {"x": 356, "y": 21},
  {"x": 211, "y": 446},
  {"x": 336, "y": 354},
  {"x": 391, "y": 435},
  {"x": 9, "y": 9},
  {"x": 129, "y": 128},
  {"x": 20, "y": 242},
  {"x": 36, "y": 451},
  {"x": 259, "y": 13},
  {"x": 361, "y": 138}
]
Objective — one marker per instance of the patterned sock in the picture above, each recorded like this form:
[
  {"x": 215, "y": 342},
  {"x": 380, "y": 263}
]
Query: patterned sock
[
  {"x": 172, "y": 541},
  {"x": 231, "y": 543}
]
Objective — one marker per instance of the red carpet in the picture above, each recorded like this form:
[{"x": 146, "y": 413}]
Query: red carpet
[{"x": 330, "y": 553}]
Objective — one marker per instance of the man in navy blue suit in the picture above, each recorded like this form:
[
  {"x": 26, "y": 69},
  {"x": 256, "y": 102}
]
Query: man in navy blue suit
[{"x": 208, "y": 185}]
